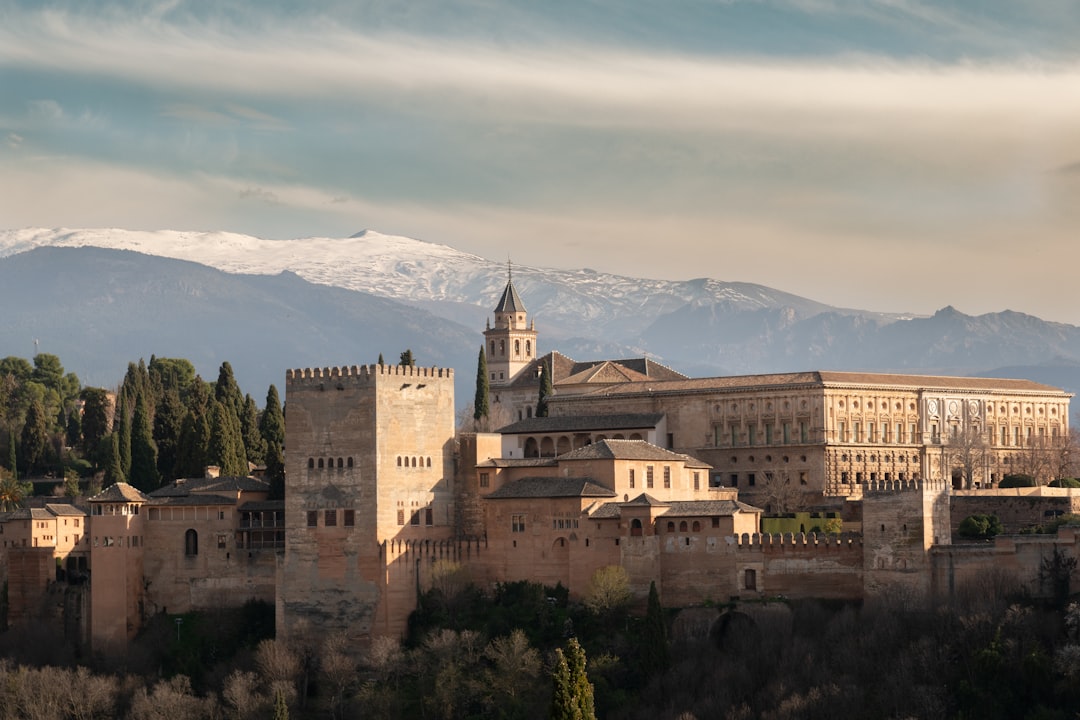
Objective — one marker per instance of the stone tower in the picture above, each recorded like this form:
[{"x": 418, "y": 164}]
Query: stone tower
[
  {"x": 510, "y": 345},
  {"x": 902, "y": 521},
  {"x": 369, "y": 470}
]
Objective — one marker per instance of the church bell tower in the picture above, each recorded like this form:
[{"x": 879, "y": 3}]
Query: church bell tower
[{"x": 510, "y": 345}]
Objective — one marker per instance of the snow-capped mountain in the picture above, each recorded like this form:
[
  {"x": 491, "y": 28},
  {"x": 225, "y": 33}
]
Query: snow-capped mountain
[{"x": 700, "y": 327}]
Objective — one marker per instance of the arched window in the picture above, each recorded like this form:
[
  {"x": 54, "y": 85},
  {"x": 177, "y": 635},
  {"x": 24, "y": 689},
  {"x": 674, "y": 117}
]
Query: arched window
[
  {"x": 517, "y": 347},
  {"x": 635, "y": 527},
  {"x": 399, "y": 461},
  {"x": 528, "y": 411},
  {"x": 414, "y": 462},
  {"x": 320, "y": 463},
  {"x": 349, "y": 461},
  {"x": 502, "y": 347},
  {"x": 528, "y": 348},
  {"x": 191, "y": 543},
  {"x": 492, "y": 347},
  {"x": 696, "y": 527},
  {"x": 682, "y": 526},
  {"x": 340, "y": 463},
  {"x": 532, "y": 449},
  {"x": 671, "y": 527},
  {"x": 429, "y": 462}
]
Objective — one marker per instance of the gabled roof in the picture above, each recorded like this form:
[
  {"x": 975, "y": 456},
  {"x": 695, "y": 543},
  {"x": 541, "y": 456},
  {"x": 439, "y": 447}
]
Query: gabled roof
[
  {"x": 577, "y": 423},
  {"x": 646, "y": 499},
  {"x": 631, "y": 450},
  {"x": 694, "y": 508},
  {"x": 31, "y": 514},
  {"x": 549, "y": 487},
  {"x": 604, "y": 372},
  {"x": 120, "y": 492},
  {"x": 567, "y": 371},
  {"x": 510, "y": 302},
  {"x": 519, "y": 462}
]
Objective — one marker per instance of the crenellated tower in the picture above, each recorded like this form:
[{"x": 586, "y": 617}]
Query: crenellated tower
[{"x": 510, "y": 345}]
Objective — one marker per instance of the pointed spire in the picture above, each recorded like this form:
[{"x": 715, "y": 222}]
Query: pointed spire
[{"x": 510, "y": 302}]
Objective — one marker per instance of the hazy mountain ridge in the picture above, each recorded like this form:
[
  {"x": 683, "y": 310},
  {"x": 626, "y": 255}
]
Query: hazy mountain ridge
[{"x": 700, "y": 327}]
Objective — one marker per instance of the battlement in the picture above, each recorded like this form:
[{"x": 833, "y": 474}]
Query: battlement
[
  {"x": 892, "y": 487},
  {"x": 360, "y": 374},
  {"x": 796, "y": 541}
]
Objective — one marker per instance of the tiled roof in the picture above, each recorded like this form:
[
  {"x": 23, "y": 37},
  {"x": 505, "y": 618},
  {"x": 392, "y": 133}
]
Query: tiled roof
[
  {"x": 630, "y": 450},
  {"x": 818, "y": 379},
  {"x": 120, "y": 492},
  {"x": 605, "y": 372},
  {"x": 519, "y": 462},
  {"x": 607, "y": 510},
  {"x": 694, "y": 508},
  {"x": 219, "y": 484},
  {"x": 197, "y": 499},
  {"x": 510, "y": 302},
  {"x": 65, "y": 510},
  {"x": 566, "y": 370},
  {"x": 31, "y": 514},
  {"x": 5, "y": 516},
  {"x": 646, "y": 499},
  {"x": 576, "y": 423},
  {"x": 541, "y": 487}
]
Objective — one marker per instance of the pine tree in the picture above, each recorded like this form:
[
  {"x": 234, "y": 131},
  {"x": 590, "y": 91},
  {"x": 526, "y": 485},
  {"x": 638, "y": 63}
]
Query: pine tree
[
  {"x": 407, "y": 358},
  {"x": 480, "y": 402},
  {"x": 545, "y": 390},
  {"x": 654, "y": 651},
  {"x": 168, "y": 424},
  {"x": 144, "y": 471}
]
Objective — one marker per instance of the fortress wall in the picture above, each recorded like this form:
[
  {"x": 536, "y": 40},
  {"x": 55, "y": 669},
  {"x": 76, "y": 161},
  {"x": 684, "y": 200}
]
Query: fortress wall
[
  {"x": 1015, "y": 510},
  {"x": 30, "y": 570},
  {"x": 1003, "y": 563}
]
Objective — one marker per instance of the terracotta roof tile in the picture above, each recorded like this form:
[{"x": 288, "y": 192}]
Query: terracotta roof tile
[
  {"x": 575, "y": 423},
  {"x": 120, "y": 492},
  {"x": 541, "y": 487},
  {"x": 630, "y": 450}
]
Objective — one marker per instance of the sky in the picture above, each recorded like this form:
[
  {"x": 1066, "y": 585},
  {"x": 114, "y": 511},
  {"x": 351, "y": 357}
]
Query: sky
[{"x": 891, "y": 155}]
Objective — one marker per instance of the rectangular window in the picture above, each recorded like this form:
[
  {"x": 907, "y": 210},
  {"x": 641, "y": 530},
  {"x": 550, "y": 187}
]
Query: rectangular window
[
  {"x": 221, "y": 542},
  {"x": 804, "y": 435},
  {"x": 350, "y": 518},
  {"x": 631, "y": 478},
  {"x": 715, "y": 521},
  {"x": 1016, "y": 436},
  {"x": 844, "y": 477},
  {"x": 787, "y": 433},
  {"x": 697, "y": 481},
  {"x": 517, "y": 523},
  {"x": 717, "y": 435},
  {"x": 841, "y": 431},
  {"x": 649, "y": 476},
  {"x": 912, "y": 435},
  {"x": 751, "y": 435},
  {"x": 871, "y": 432},
  {"x": 400, "y": 517},
  {"x": 857, "y": 427},
  {"x": 858, "y": 477},
  {"x": 900, "y": 477},
  {"x": 734, "y": 479},
  {"x": 802, "y": 477},
  {"x": 312, "y": 518},
  {"x": 667, "y": 477},
  {"x": 485, "y": 479},
  {"x": 934, "y": 437},
  {"x": 415, "y": 519},
  {"x": 899, "y": 432},
  {"x": 734, "y": 435},
  {"x": 750, "y": 479},
  {"x": 429, "y": 517},
  {"x": 330, "y": 519},
  {"x": 768, "y": 434}
]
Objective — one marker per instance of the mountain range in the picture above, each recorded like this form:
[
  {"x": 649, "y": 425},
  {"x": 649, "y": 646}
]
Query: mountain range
[{"x": 100, "y": 298}]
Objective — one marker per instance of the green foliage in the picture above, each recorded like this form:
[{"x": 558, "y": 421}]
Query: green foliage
[
  {"x": 48, "y": 371},
  {"x": 545, "y": 390},
  {"x": 406, "y": 359},
  {"x": 123, "y": 434},
  {"x": 979, "y": 527},
  {"x": 1017, "y": 480},
  {"x": 12, "y": 456},
  {"x": 35, "y": 437},
  {"x": 381, "y": 363},
  {"x": 168, "y": 426},
  {"x": 192, "y": 455},
  {"x": 572, "y": 696},
  {"x": 655, "y": 653},
  {"x": 144, "y": 461},
  {"x": 13, "y": 493},
  {"x": 254, "y": 445},
  {"x": 281, "y": 708},
  {"x": 114, "y": 473},
  {"x": 17, "y": 367},
  {"x": 1066, "y": 483},
  {"x": 226, "y": 446},
  {"x": 171, "y": 374},
  {"x": 480, "y": 401},
  {"x": 95, "y": 422}
]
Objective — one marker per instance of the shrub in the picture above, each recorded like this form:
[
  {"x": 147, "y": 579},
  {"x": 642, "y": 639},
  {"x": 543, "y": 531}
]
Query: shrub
[
  {"x": 979, "y": 527},
  {"x": 1066, "y": 483},
  {"x": 1017, "y": 480}
]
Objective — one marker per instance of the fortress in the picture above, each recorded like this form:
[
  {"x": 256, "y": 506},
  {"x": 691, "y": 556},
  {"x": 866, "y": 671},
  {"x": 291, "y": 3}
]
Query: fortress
[{"x": 636, "y": 465}]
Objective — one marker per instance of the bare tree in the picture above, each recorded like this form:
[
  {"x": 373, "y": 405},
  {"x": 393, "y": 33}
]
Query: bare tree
[
  {"x": 1037, "y": 459},
  {"x": 780, "y": 493},
  {"x": 966, "y": 451}
]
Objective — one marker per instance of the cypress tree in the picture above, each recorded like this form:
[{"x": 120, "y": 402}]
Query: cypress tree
[
  {"x": 480, "y": 403},
  {"x": 95, "y": 422},
  {"x": 562, "y": 700},
  {"x": 579, "y": 680},
  {"x": 272, "y": 429},
  {"x": 655, "y": 652},
  {"x": 545, "y": 390},
  {"x": 254, "y": 445},
  {"x": 144, "y": 471},
  {"x": 113, "y": 472},
  {"x": 227, "y": 391},
  {"x": 226, "y": 447},
  {"x": 191, "y": 452},
  {"x": 168, "y": 424},
  {"x": 124, "y": 435},
  {"x": 407, "y": 358},
  {"x": 11, "y": 456},
  {"x": 35, "y": 435},
  {"x": 381, "y": 363}
]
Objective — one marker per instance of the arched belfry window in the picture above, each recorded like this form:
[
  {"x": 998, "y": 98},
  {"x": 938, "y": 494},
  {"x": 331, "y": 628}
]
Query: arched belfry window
[
  {"x": 517, "y": 347},
  {"x": 502, "y": 347},
  {"x": 191, "y": 543},
  {"x": 528, "y": 348},
  {"x": 492, "y": 347}
]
